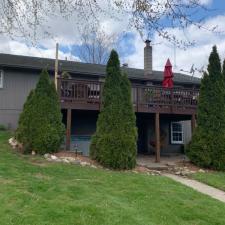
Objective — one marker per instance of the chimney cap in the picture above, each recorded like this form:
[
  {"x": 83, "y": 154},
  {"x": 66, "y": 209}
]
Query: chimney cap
[{"x": 147, "y": 42}]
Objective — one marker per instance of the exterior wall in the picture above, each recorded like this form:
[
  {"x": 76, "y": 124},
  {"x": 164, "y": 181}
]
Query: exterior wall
[
  {"x": 146, "y": 130},
  {"x": 83, "y": 122},
  {"x": 84, "y": 126},
  {"x": 187, "y": 131},
  {"x": 16, "y": 87},
  {"x": 18, "y": 83},
  {"x": 9, "y": 118}
]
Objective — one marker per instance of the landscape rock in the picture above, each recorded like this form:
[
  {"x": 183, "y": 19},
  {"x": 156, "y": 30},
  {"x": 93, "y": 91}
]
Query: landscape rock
[
  {"x": 93, "y": 166},
  {"x": 33, "y": 153},
  {"x": 13, "y": 142},
  {"x": 178, "y": 173},
  {"x": 65, "y": 161},
  {"x": 82, "y": 161},
  {"x": 46, "y": 156},
  {"x": 77, "y": 162},
  {"x": 53, "y": 157},
  {"x": 85, "y": 164},
  {"x": 49, "y": 159}
]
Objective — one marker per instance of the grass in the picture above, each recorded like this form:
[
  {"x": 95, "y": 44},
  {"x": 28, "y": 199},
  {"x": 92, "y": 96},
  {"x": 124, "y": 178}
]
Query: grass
[
  {"x": 215, "y": 179},
  {"x": 35, "y": 192}
]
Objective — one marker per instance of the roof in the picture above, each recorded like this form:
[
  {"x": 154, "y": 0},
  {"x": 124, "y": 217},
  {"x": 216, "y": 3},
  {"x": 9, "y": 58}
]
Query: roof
[{"x": 28, "y": 62}]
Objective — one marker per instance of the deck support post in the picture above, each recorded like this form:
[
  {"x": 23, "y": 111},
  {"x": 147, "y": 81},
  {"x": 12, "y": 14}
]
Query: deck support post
[
  {"x": 157, "y": 138},
  {"x": 193, "y": 122},
  {"x": 68, "y": 129}
]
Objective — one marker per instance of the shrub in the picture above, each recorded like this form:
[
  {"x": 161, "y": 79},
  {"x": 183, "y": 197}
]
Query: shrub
[
  {"x": 114, "y": 144},
  {"x": 40, "y": 124},
  {"x": 24, "y": 130},
  {"x": 207, "y": 147},
  {"x": 65, "y": 75}
]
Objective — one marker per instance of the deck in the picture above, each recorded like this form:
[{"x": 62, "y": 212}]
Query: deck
[{"x": 87, "y": 95}]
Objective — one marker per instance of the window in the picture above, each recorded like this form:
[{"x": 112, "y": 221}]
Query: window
[
  {"x": 1, "y": 79},
  {"x": 176, "y": 133}
]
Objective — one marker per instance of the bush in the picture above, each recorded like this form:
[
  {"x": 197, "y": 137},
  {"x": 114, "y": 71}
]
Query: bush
[
  {"x": 24, "y": 130},
  {"x": 207, "y": 147},
  {"x": 65, "y": 75},
  {"x": 114, "y": 144},
  {"x": 40, "y": 124}
]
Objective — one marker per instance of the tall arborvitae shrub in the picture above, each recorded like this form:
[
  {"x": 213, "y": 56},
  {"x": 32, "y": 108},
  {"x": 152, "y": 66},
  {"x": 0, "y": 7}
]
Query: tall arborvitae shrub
[
  {"x": 114, "y": 144},
  {"x": 207, "y": 147},
  {"x": 24, "y": 129},
  {"x": 43, "y": 126}
]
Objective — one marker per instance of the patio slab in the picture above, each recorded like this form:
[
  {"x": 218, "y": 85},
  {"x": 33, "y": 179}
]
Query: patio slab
[{"x": 148, "y": 161}]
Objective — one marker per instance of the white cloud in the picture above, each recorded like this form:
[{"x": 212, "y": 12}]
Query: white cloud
[
  {"x": 197, "y": 55},
  {"x": 66, "y": 33},
  {"x": 206, "y": 2},
  {"x": 19, "y": 48}
]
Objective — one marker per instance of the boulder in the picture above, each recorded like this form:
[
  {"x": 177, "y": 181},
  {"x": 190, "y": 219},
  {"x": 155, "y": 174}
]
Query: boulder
[
  {"x": 53, "y": 157},
  {"x": 46, "y": 156},
  {"x": 65, "y": 161},
  {"x": 33, "y": 153}
]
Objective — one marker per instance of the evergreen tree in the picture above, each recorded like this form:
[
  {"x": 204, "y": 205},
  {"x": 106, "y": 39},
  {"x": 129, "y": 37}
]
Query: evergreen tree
[
  {"x": 223, "y": 71},
  {"x": 114, "y": 144},
  {"x": 24, "y": 130},
  {"x": 207, "y": 147},
  {"x": 43, "y": 125}
]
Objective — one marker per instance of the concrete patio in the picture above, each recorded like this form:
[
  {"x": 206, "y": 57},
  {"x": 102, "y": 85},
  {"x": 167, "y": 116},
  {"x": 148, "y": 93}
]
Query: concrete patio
[{"x": 148, "y": 161}]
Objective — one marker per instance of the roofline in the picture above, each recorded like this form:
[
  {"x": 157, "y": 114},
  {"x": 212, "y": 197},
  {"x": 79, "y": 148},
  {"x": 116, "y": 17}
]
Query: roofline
[{"x": 51, "y": 68}]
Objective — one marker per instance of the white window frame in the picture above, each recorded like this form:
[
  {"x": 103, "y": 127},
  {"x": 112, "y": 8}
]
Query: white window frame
[
  {"x": 172, "y": 132},
  {"x": 1, "y": 78}
]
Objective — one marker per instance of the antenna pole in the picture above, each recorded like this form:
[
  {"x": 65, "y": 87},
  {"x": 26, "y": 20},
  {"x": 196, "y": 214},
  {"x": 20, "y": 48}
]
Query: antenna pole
[
  {"x": 175, "y": 56},
  {"x": 56, "y": 63}
]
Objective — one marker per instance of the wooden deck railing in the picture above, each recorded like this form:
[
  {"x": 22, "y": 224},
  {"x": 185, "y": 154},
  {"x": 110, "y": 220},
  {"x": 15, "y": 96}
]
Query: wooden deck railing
[{"x": 83, "y": 94}]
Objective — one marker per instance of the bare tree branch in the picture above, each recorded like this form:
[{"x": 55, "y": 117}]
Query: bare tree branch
[
  {"x": 95, "y": 45},
  {"x": 23, "y": 18}
]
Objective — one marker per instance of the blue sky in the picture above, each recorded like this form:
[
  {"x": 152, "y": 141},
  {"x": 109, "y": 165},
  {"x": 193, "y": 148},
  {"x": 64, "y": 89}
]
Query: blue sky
[
  {"x": 128, "y": 49},
  {"x": 131, "y": 45}
]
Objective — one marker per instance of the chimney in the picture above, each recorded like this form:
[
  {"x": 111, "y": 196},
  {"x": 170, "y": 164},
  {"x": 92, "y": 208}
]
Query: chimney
[{"x": 148, "y": 58}]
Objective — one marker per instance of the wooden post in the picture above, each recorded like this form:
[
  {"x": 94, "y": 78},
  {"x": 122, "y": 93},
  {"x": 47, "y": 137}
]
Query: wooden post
[
  {"x": 172, "y": 100},
  {"x": 157, "y": 138},
  {"x": 193, "y": 123},
  {"x": 137, "y": 98},
  {"x": 56, "y": 64},
  {"x": 68, "y": 129}
]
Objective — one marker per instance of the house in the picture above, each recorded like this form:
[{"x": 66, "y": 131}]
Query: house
[{"x": 165, "y": 117}]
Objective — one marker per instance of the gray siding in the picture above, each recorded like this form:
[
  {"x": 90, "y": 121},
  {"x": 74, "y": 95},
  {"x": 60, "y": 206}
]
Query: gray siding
[
  {"x": 187, "y": 131},
  {"x": 17, "y": 85},
  {"x": 146, "y": 128},
  {"x": 9, "y": 118},
  {"x": 84, "y": 126}
]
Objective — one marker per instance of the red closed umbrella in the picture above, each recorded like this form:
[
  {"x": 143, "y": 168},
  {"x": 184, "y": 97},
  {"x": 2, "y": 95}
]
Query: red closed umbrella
[{"x": 168, "y": 75}]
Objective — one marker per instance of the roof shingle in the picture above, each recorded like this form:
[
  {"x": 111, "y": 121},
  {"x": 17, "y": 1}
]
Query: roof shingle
[{"x": 28, "y": 62}]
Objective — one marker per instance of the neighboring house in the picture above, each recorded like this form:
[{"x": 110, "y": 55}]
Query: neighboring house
[{"x": 165, "y": 117}]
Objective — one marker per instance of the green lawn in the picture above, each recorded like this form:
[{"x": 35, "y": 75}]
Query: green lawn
[
  {"x": 215, "y": 179},
  {"x": 34, "y": 192}
]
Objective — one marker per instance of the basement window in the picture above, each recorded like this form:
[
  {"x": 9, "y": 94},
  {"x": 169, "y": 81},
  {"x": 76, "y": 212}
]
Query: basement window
[
  {"x": 177, "y": 133},
  {"x": 1, "y": 78}
]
